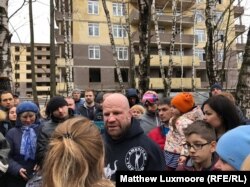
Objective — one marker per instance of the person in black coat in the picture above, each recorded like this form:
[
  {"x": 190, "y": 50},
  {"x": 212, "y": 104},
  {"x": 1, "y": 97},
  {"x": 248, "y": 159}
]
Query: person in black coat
[{"x": 127, "y": 148}]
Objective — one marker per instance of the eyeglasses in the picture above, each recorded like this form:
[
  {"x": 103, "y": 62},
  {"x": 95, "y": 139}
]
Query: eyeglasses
[{"x": 196, "y": 146}]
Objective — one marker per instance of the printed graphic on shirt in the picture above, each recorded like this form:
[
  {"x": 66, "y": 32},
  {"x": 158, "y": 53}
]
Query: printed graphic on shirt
[
  {"x": 136, "y": 158},
  {"x": 108, "y": 171}
]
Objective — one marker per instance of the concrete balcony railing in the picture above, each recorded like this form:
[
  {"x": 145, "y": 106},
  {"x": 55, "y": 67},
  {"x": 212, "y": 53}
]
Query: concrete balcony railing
[
  {"x": 61, "y": 86},
  {"x": 43, "y": 88},
  {"x": 161, "y": 3},
  {"x": 42, "y": 79},
  {"x": 187, "y": 21},
  {"x": 59, "y": 37},
  {"x": 165, "y": 38},
  {"x": 239, "y": 29},
  {"x": 186, "y": 61},
  {"x": 238, "y": 11},
  {"x": 156, "y": 83},
  {"x": 60, "y": 62},
  {"x": 240, "y": 47}
]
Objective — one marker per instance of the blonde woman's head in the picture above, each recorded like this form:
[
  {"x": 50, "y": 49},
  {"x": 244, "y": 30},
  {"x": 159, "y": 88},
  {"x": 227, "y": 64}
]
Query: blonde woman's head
[{"x": 75, "y": 155}]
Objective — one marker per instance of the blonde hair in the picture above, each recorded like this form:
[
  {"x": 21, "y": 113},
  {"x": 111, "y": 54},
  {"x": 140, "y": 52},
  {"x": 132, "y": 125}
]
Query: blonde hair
[
  {"x": 75, "y": 156},
  {"x": 139, "y": 108},
  {"x": 246, "y": 164}
]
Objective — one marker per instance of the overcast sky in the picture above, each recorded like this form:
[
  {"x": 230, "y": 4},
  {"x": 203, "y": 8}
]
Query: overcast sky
[{"x": 19, "y": 24}]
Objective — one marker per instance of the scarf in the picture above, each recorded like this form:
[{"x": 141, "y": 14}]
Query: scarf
[{"x": 28, "y": 142}]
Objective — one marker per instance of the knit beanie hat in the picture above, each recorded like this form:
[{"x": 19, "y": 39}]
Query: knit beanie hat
[
  {"x": 54, "y": 104},
  {"x": 27, "y": 106},
  {"x": 217, "y": 86},
  {"x": 234, "y": 146},
  {"x": 184, "y": 102}
]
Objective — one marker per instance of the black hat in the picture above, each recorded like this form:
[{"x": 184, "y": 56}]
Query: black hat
[
  {"x": 217, "y": 86},
  {"x": 15, "y": 95},
  {"x": 54, "y": 104}
]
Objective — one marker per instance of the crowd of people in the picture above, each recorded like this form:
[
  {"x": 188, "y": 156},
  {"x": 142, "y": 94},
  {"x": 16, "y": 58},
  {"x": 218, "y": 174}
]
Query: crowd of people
[{"x": 76, "y": 141}]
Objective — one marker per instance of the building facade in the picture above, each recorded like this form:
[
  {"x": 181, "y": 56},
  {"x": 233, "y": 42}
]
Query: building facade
[
  {"x": 93, "y": 64},
  {"x": 84, "y": 48},
  {"x": 21, "y": 70}
]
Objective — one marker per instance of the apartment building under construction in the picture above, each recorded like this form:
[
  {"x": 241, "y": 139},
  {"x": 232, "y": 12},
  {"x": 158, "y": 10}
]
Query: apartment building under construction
[{"x": 84, "y": 48}]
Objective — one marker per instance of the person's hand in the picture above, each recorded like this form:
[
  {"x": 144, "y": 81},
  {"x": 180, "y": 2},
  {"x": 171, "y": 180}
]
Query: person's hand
[
  {"x": 23, "y": 173},
  {"x": 182, "y": 159},
  {"x": 36, "y": 167}
]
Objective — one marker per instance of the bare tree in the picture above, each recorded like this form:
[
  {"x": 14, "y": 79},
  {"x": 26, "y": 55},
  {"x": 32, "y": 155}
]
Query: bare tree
[
  {"x": 32, "y": 54},
  {"x": 210, "y": 62},
  {"x": 118, "y": 69},
  {"x": 172, "y": 43},
  {"x": 162, "y": 68},
  {"x": 5, "y": 37},
  {"x": 67, "y": 48},
  {"x": 52, "y": 52},
  {"x": 132, "y": 70},
  {"x": 144, "y": 44},
  {"x": 243, "y": 86}
]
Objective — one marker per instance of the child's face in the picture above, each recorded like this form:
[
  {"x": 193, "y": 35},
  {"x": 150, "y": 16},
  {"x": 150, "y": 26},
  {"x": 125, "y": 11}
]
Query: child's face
[
  {"x": 175, "y": 111},
  {"x": 200, "y": 150}
]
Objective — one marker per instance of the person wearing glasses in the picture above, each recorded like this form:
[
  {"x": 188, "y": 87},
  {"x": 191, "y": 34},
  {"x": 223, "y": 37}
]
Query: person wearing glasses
[{"x": 201, "y": 143}]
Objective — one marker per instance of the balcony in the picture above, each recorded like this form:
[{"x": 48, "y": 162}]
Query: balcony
[
  {"x": 240, "y": 47},
  {"x": 238, "y": 11},
  {"x": 43, "y": 79},
  {"x": 186, "y": 61},
  {"x": 60, "y": 62},
  {"x": 165, "y": 20},
  {"x": 161, "y": 3},
  {"x": 59, "y": 37},
  {"x": 165, "y": 38},
  {"x": 156, "y": 83},
  {"x": 239, "y": 29}
]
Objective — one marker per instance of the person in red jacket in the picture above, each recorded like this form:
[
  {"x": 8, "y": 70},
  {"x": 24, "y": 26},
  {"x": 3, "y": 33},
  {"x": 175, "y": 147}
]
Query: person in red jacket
[{"x": 158, "y": 134}]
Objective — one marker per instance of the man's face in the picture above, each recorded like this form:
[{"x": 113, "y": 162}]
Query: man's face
[
  {"x": 89, "y": 97},
  {"x": 117, "y": 118},
  {"x": 76, "y": 95},
  {"x": 7, "y": 100},
  {"x": 164, "y": 112},
  {"x": 61, "y": 112},
  {"x": 216, "y": 91},
  {"x": 71, "y": 103}
]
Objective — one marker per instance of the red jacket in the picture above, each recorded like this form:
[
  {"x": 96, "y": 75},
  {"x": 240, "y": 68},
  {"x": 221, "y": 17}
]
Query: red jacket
[{"x": 158, "y": 135}]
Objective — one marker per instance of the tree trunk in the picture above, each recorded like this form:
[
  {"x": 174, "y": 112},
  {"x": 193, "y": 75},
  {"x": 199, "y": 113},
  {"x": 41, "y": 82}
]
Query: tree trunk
[
  {"x": 112, "y": 42},
  {"x": 67, "y": 47},
  {"x": 172, "y": 43},
  {"x": 243, "y": 86},
  {"x": 162, "y": 68},
  {"x": 144, "y": 44},
  {"x": 5, "y": 65},
  {"x": 131, "y": 50},
  {"x": 32, "y": 54},
  {"x": 52, "y": 52},
  {"x": 210, "y": 62}
]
